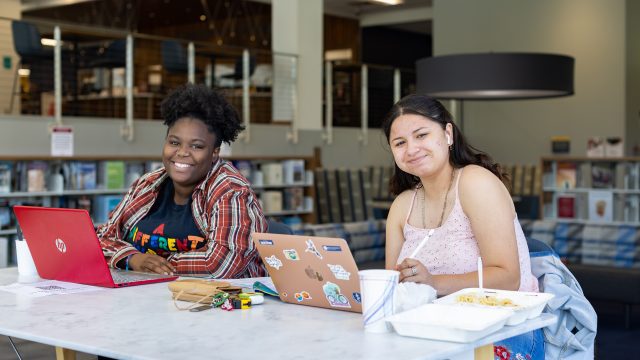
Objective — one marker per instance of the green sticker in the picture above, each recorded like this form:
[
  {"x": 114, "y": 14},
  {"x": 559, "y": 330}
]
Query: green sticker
[{"x": 6, "y": 62}]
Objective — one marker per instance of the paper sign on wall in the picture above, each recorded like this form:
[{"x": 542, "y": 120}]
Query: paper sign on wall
[{"x": 62, "y": 141}]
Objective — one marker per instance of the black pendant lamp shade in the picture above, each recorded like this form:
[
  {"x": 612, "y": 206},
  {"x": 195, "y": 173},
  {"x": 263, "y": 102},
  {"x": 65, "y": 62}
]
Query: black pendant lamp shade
[{"x": 495, "y": 76}]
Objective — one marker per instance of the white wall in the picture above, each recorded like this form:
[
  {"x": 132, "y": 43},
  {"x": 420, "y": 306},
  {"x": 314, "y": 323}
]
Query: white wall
[
  {"x": 592, "y": 31},
  {"x": 633, "y": 77},
  {"x": 9, "y": 9}
]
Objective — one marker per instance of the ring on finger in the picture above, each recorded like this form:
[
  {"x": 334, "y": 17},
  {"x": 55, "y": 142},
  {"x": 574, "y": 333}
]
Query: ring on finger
[{"x": 414, "y": 271}]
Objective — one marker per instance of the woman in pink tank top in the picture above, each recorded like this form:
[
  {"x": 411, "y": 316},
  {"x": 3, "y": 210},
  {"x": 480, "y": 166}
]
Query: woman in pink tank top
[{"x": 451, "y": 208}]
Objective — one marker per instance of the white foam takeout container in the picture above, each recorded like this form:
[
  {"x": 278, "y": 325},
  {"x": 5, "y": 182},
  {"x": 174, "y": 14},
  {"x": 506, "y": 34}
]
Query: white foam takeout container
[
  {"x": 529, "y": 304},
  {"x": 449, "y": 322}
]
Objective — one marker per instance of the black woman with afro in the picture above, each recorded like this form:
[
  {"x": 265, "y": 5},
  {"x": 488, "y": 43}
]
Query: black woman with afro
[{"x": 193, "y": 216}]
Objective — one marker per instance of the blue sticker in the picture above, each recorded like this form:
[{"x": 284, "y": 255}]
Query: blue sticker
[
  {"x": 331, "y": 248},
  {"x": 266, "y": 242},
  {"x": 357, "y": 297}
]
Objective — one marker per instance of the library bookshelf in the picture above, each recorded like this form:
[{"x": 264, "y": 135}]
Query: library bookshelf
[
  {"x": 591, "y": 190},
  {"x": 97, "y": 184}
]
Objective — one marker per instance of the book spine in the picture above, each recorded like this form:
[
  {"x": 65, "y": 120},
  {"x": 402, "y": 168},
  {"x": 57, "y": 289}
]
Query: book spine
[
  {"x": 334, "y": 198},
  {"x": 344, "y": 195},
  {"x": 322, "y": 197}
]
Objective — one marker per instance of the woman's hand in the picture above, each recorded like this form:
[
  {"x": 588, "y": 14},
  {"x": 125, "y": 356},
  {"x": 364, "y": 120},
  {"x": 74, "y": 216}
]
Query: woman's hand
[
  {"x": 150, "y": 263},
  {"x": 412, "y": 270}
]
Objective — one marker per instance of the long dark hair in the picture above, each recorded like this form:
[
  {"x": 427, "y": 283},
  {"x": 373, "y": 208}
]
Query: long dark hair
[{"x": 461, "y": 153}]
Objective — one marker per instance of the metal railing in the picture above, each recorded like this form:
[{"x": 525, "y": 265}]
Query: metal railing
[{"x": 109, "y": 73}]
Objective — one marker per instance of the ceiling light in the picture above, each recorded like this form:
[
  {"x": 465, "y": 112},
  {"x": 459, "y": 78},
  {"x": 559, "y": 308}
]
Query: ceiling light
[
  {"x": 389, "y": 2},
  {"x": 48, "y": 42},
  {"x": 495, "y": 76}
]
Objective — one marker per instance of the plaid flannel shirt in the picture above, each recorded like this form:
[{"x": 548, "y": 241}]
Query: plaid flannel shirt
[{"x": 224, "y": 208}]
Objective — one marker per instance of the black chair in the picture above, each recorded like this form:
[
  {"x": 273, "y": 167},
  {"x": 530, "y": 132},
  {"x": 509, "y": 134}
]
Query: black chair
[
  {"x": 275, "y": 227},
  {"x": 27, "y": 44},
  {"x": 174, "y": 57},
  {"x": 113, "y": 55}
]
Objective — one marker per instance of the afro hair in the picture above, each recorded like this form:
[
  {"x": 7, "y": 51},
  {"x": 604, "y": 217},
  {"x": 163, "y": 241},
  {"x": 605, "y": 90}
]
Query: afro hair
[{"x": 205, "y": 104}]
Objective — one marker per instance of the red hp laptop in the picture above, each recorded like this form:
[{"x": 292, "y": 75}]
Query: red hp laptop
[{"x": 64, "y": 247}]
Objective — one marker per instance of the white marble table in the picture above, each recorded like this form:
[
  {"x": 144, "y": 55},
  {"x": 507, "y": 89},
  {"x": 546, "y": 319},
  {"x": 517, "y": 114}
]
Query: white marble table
[{"x": 141, "y": 322}]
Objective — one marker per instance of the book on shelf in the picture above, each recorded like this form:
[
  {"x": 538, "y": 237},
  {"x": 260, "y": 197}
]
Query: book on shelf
[
  {"x": 103, "y": 206},
  {"x": 508, "y": 169},
  {"x": 632, "y": 208},
  {"x": 293, "y": 198},
  {"x": 566, "y": 206},
  {"x": 344, "y": 195},
  {"x": 537, "y": 180},
  {"x": 376, "y": 180},
  {"x": 334, "y": 197},
  {"x": 293, "y": 171},
  {"x": 527, "y": 180},
  {"x": 518, "y": 173},
  {"x": 601, "y": 176},
  {"x": 584, "y": 176},
  {"x": 618, "y": 206},
  {"x": 595, "y": 147},
  {"x": 601, "y": 205},
  {"x": 5, "y": 215},
  {"x": 272, "y": 173},
  {"x": 322, "y": 196},
  {"x": 271, "y": 200},
  {"x": 85, "y": 174},
  {"x": 245, "y": 168},
  {"x": 566, "y": 175},
  {"x": 6, "y": 169},
  {"x": 133, "y": 171},
  {"x": 4, "y": 252},
  {"x": 357, "y": 198},
  {"x": 112, "y": 174},
  {"x": 387, "y": 171},
  {"x": 365, "y": 185},
  {"x": 36, "y": 176}
]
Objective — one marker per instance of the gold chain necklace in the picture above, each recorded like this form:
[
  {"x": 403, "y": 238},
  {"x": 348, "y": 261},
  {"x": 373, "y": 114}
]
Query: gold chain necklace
[{"x": 444, "y": 206}]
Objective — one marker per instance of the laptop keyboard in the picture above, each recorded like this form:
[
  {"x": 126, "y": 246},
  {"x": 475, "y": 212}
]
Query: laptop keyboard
[{"x": 123, "y": 277}]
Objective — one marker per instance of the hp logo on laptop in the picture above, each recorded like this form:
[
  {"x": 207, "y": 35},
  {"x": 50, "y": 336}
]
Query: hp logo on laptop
[{"x": 61, "y": 246}]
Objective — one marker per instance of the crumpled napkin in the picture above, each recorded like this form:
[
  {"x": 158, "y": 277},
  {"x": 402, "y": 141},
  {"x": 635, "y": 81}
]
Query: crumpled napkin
[{"x": 409, "y": 295}]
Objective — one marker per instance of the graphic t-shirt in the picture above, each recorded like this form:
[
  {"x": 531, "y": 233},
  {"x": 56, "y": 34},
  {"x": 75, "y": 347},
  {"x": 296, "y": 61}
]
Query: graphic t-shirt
[{"x": 167, "y": 228}]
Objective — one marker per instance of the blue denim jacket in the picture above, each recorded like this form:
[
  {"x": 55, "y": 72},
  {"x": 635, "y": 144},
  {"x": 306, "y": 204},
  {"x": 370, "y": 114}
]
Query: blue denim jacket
[{"x": 570, "y": 306}]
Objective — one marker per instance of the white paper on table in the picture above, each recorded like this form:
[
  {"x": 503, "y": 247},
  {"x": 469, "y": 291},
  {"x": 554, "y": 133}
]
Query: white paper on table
[
  {"x": 247, "y": 283},
  {"x": 48, "y": 287}
]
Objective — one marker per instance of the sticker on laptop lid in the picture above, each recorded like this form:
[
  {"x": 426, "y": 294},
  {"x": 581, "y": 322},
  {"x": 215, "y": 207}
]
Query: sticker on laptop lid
[
  {"x": 312, "y": 274},
  {"x": 291, "y": 254},
  {"x": 311, "y": 247},
  {"x": 331, "y": 247},
  {"x": 333, "y": 295},
  {"x": 273, "y": 261},
  {"x": 266, "y": 242},
  {"x": 303, "y": 295},
  {"x": 339, "y": 272},
  {"x": 357, "y": 297}
]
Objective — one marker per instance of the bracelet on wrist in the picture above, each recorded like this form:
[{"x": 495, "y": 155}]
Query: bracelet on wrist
[{"x": 126, "y": 267}]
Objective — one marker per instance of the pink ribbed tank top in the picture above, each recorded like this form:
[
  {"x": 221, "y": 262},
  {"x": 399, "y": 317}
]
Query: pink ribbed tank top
[{"x": 453, "y": 249}]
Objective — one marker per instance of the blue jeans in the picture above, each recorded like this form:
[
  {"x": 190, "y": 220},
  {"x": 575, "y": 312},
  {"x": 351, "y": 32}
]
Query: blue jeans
[{"x": 528, "y": 346}]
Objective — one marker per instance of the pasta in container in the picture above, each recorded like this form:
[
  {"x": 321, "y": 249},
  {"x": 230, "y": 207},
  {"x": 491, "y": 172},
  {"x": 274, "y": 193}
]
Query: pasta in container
[{"x": 525, "y": 305}]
